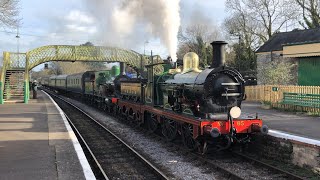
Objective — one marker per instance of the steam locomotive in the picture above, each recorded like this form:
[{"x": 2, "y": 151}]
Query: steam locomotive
[{"x": 200, "y": 106}]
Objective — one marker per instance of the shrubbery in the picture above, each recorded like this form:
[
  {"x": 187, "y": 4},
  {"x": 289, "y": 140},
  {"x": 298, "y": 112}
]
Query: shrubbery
[{"x": 276, "y": 72}]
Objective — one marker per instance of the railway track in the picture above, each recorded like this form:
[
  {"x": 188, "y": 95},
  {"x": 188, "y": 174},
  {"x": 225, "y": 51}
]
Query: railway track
[
  {"x": 111, "y": 155},
  {"x": 283, "y": 173},
  {"x": 246, "y": 167},
  {"x": 231, "y": 165},
  {"x": 224, "y": 161}
]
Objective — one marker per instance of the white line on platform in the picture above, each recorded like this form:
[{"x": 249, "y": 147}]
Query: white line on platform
[
  {"x": 280, "y": 134},
  {"x": 82, "y": 158}
]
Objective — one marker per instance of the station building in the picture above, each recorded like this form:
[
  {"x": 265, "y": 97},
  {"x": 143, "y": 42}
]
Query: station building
[{"x": 300, "y": 48}]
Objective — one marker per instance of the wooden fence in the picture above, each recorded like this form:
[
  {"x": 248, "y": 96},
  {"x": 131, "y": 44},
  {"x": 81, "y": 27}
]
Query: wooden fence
[{"x": 273, "y": 95}]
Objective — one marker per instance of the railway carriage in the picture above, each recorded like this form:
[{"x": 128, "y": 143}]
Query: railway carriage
[
  {"x": 82, "y": 83},
  {"x": 44, "y": 81},
  {"x": 58, "y": 82},
  {"x": 61, "y": 82},
  {"x": 52, "y": 81}
]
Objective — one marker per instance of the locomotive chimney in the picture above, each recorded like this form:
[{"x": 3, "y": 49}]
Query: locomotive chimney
[
  {"x": 122, "y": 68},
  {"x": 218, "y": 54}
]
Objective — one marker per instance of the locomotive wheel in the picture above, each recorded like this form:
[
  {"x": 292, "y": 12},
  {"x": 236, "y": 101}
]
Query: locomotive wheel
[
  {"x": 115, "y": 110},
  {"x": 152, "y": 123},
  {"x": 187, "y": 137},
  {"x": 126, "y": 115},
  {"x": 110, "y": 109},
  {"x": 169, "y": 129}
]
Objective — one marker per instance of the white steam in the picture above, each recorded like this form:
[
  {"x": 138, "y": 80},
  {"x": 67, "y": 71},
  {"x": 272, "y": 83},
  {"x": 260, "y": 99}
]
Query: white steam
[{"x": 135, "y": 21}]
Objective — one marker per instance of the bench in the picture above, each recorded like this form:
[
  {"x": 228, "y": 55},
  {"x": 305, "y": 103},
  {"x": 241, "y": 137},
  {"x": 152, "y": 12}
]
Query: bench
[{"x": 300, "y": 99}]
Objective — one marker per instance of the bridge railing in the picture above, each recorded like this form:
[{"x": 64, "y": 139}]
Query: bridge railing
[{"x": 43, "y": 54}]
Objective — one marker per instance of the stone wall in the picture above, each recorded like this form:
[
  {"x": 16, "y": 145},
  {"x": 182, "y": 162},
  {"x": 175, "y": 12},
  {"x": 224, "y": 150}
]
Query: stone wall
[
  {"x": 287, "y": 151},
  {"x": 265, "y": 58}
]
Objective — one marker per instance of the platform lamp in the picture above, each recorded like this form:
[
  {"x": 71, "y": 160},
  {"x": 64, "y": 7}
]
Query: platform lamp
[
  {"x": 144, "y": 47},
  {"x": 18, "y": 42}
]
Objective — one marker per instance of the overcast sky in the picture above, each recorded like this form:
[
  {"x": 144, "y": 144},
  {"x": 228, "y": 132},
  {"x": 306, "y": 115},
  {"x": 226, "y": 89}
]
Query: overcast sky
[{"x": 61, "y": 22}]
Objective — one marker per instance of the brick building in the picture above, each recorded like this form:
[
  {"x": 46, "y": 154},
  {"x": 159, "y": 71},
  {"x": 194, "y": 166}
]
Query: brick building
[{"x": 301, "y": 48}]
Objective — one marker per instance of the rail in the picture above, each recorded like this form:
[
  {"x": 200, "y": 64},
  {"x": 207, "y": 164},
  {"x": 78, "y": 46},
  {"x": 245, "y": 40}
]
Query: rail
[
  {"x": 106, "y": 136},
  {"x": 270, "y": 167},
  {"x": 231, "y": 173}
]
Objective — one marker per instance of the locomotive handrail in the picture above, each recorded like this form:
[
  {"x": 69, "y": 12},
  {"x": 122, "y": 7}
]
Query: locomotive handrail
[{"x": 155, "y": 64}]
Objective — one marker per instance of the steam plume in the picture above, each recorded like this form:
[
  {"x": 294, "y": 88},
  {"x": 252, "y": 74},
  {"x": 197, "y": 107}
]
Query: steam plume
[{"x": 138, "y": 20}]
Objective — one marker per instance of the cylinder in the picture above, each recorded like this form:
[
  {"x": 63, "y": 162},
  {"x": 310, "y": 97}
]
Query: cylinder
[
  {"x": 122, "y": 68},
  {"x": 218, "y": 54}
]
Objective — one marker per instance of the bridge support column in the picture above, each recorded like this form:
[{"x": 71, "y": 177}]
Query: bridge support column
[
  {"x": 1, "y": 93},
  {"x": 2, "y": 75},
  {"x": 26, "y": 81}
]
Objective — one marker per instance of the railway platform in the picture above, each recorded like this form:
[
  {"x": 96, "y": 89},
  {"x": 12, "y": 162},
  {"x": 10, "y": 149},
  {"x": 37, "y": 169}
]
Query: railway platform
[
  {"x": 36, "y": 142},
  {"x": 287, "y": 122}
]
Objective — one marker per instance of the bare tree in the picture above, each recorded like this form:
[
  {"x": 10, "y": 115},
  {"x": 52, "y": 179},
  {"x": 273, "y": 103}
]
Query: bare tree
[
  {"x": 241, "y": 26},
  {"x": 64, "y": 67},
  {"x": 267, "y": 16},
  {"x": 254, "y": 22},
  {"x": 196, "y": 38},
  {"x": 56, "y": 68},
  {"x": 244, "y": 29},
  {"x": 42, "y": 73},
  {"x": 9, "y": 12},
  {"x": 310, "y": 13}
]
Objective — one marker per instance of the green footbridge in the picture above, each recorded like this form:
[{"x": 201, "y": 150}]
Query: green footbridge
[{"x": 14, "y": 77}]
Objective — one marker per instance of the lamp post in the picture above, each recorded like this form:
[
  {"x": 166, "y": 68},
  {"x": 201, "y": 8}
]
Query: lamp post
[
  {"x": 144, "y": 47},
  {"x": 239, "y": 52},
  {"x": 18, "y": 42}
]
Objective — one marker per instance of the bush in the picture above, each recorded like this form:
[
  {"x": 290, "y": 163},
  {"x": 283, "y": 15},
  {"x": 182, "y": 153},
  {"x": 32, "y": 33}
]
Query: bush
[{"x": 277, "y": 72}]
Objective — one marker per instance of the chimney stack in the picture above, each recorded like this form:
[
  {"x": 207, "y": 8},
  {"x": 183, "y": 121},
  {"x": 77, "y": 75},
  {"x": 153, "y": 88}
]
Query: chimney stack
[
  {"x": 122, "y": 68},
  {"x": 218, "y": 54}
]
